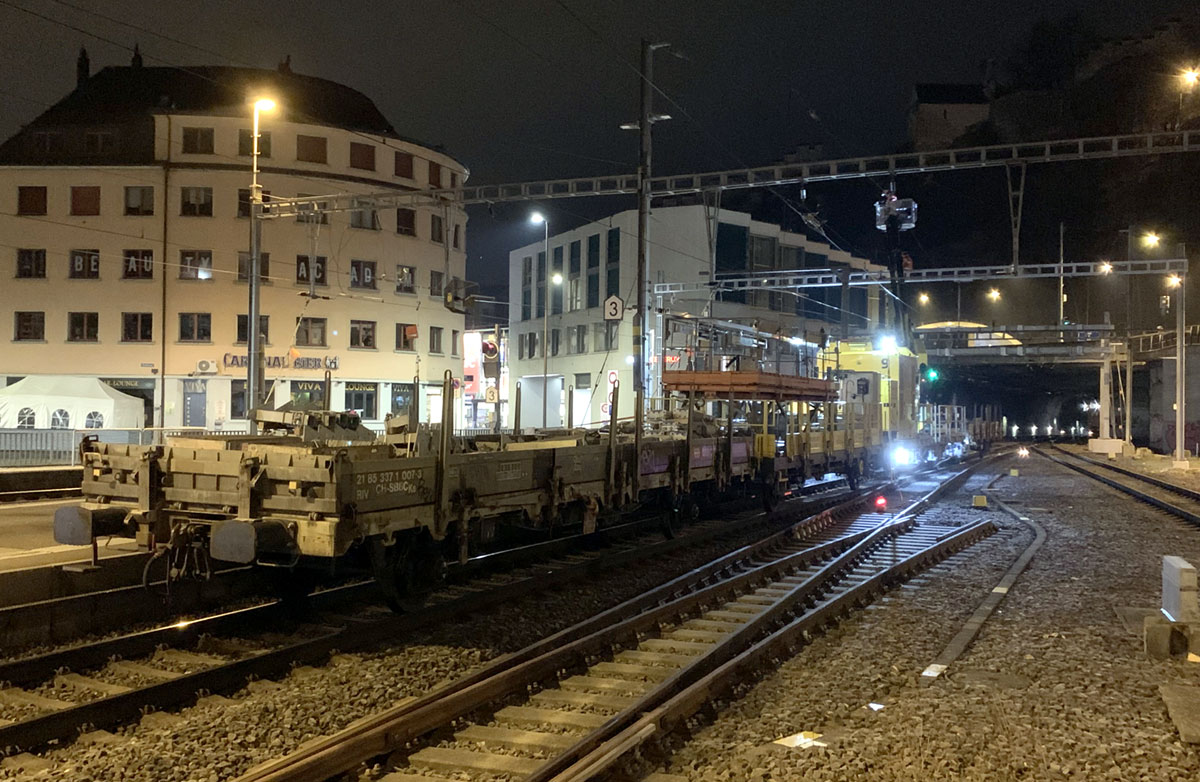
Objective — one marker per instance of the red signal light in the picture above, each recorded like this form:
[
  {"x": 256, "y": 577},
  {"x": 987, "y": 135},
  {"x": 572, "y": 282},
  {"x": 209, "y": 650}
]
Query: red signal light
[{"x": 881, "y": 502}]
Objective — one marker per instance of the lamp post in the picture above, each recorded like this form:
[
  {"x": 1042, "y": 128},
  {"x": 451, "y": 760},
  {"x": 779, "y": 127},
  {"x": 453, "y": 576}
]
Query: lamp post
[
  {"x": 1176, "y": 281},
  {"x": 254, "y": 358},
  {"x": 537, "y": 218}
]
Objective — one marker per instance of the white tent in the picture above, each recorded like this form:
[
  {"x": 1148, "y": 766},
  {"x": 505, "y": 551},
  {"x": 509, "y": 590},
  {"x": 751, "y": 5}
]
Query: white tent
[{"x": 65, "y": 402}]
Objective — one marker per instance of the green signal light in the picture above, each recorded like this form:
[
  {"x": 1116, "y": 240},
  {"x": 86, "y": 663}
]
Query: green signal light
[{"x": 931, "y": 374}]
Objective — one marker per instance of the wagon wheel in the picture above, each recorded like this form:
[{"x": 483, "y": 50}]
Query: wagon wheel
[{"x": 407, "y": 571}]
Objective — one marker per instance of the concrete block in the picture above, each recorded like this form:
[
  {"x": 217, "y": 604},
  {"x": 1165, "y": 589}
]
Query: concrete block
[
  {"x": 979, "y": 501},
  {"x": 1164, "y": 639},
  {"x": 1180, "y": 600},
  {"x": 1108, "y": 445}
]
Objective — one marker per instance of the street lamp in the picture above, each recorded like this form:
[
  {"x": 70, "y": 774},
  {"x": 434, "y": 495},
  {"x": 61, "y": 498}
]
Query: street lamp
[
  {"x": 1151, "y": 239},
  {"x": 993, "y": 294},
  {"x": 537, "y": 218},
  {"x": 923, "y": 299},
  {"x": 255, "y": 375}
]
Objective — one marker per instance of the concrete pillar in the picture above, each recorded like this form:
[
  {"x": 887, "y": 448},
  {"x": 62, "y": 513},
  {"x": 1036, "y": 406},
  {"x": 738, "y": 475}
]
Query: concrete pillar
[{"x": 1106, "y": 399}]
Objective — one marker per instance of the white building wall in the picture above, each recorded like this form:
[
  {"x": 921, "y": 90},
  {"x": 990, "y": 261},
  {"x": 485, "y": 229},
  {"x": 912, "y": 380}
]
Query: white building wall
[
  {"x": 679, "y": 251},
  {"x": 169, "y": 362}
]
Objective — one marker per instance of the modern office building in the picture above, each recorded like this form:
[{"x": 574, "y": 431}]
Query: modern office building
[
  {"x": 124, "y": 213},
  {"x": 587, "y": 353}
]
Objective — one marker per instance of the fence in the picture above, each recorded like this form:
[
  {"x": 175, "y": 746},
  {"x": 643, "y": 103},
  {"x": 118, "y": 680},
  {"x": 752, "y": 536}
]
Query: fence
[{"x": 44, "y": 447}]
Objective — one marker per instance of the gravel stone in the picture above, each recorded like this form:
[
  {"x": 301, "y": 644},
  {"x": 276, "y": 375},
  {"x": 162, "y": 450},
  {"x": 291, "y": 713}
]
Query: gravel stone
[{"x": 1053, "y": 688}]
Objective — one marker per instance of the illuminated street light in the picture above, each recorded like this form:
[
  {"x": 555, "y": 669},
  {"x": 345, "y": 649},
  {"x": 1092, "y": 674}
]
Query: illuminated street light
[
  {"x": 923, "y": 298},
  {"x": 1190, "y": 77},
  {"x": 1151, "y": 239},
  {"x": 1106, "y": 268},
  {"x": 994, "y": 294},
  {"x": 556, "y": 279},
  {"x": 1174, "y": 281},
  {"x": 255, "y": 365}
]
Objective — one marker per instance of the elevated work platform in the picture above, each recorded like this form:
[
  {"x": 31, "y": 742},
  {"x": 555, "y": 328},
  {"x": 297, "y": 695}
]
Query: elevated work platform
[{"x": 749, "y": 385}]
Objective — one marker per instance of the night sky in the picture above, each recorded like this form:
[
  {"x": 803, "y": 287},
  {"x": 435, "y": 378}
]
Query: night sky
[{"x": 530, "y": 89}]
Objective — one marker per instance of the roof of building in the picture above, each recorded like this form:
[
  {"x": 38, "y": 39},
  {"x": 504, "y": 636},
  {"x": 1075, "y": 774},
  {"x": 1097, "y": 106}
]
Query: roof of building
[
  {"x": 950, "y": 93},
  {"x": 119, "y": 92}
]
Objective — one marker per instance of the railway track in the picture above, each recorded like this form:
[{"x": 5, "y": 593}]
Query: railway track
[
  {"x": 1179, "y": 501},
  {"x": 52, "y": 697},
  {"x": 574, "y": 704},
  {"x": 122, "y": 601}
]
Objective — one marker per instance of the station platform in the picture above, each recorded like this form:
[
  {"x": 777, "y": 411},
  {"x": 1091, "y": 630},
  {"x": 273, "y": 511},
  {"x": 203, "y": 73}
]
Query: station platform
[{"x": 20, "y": 480}]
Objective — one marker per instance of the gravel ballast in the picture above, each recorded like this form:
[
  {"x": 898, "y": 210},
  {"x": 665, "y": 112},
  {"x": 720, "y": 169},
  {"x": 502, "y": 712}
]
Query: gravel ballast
[
  {"x": 220, "y": 738},
  {"x": 1054, "y": 687}
]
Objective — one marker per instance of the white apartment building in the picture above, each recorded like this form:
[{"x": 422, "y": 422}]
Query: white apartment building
[
  {"x": 598, "y": 260},
  {"x": 124, "y": 212}
]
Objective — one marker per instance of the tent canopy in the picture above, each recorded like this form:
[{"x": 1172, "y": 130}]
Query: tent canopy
[{"x": 67, "y": 402}]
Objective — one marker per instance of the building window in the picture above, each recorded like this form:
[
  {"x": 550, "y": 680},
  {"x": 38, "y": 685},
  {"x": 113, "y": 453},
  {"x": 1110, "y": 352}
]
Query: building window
[
  {"x": 454, "y": 338},
  {"x": 436, "y": 283},
  {"x": 94, "y": 420},
  {"x": 365, "y": 217},
  {"x": 98, "y": 142},
  {"x": 31, "y": 200},
  {"x": 196, "y": 201},
  {"x": 574, "y": 278},
  {"x": 26, "y": 419},
  {"x": 454, "y": 179},
  {"x": 195, "y": 264},
  {"x": 404, "y": 164},
  {"x": 83, "y": 326},
  {"x": 605, "y": 336},
  {"x": 362, "y": 334},
  {"x": 85, "y": 200},
  {"x": 311, "y": 149},
  {"x": 264, "y": 266},
  {"x": 362, "y": 156},
  {"x": 613, "y": 262},
  {"x": 310, "y": 332},
  {"x": 139, "y": 200},
  {"x": 315, "y": 268},
  {"x": 237, "y": 399},
  {"x": 556, "y": 291},
  {"x": 60, "y": 419},
  {"x": 360, "y": 397},
  {"x": 243, "y": 204},
  {"x": 137, "y": 327},
  {"x": 406, "y": 336},
  {"x": 30, "y": 327},
  {"x": 264, "y": 325},
  {"x": 435, "y": 339},
  {"x": 246, "y": 144},
  {"x": 526, "y": 287},
  {"x": 406, "y": 279},
  {"x": 195, "y": 327},
  {"x": 521, "y": 346},
  {"x": 139, "y": 265},
  {"x": 555, "y": 341},
  {"x": 531, "y": 344},
  {"x": 47, "y": 142},
  {"x": 362, "y": 274},
  {"x": 437, "y": 231},
  {"x": 593, "y": 271},
  {"x": 540, "y": 288},
  {"x": 197, "y": 141},
  {"x": 578, "y": 341},
  {"x": 31, "y": 263},
  {"x": 435, "y": 175},
  {"x": 85, "y": 265},
  {"x": 406, "y": 222}
]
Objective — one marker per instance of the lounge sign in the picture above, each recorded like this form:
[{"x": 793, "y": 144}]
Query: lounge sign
[{"x": 284, "y": 361}]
